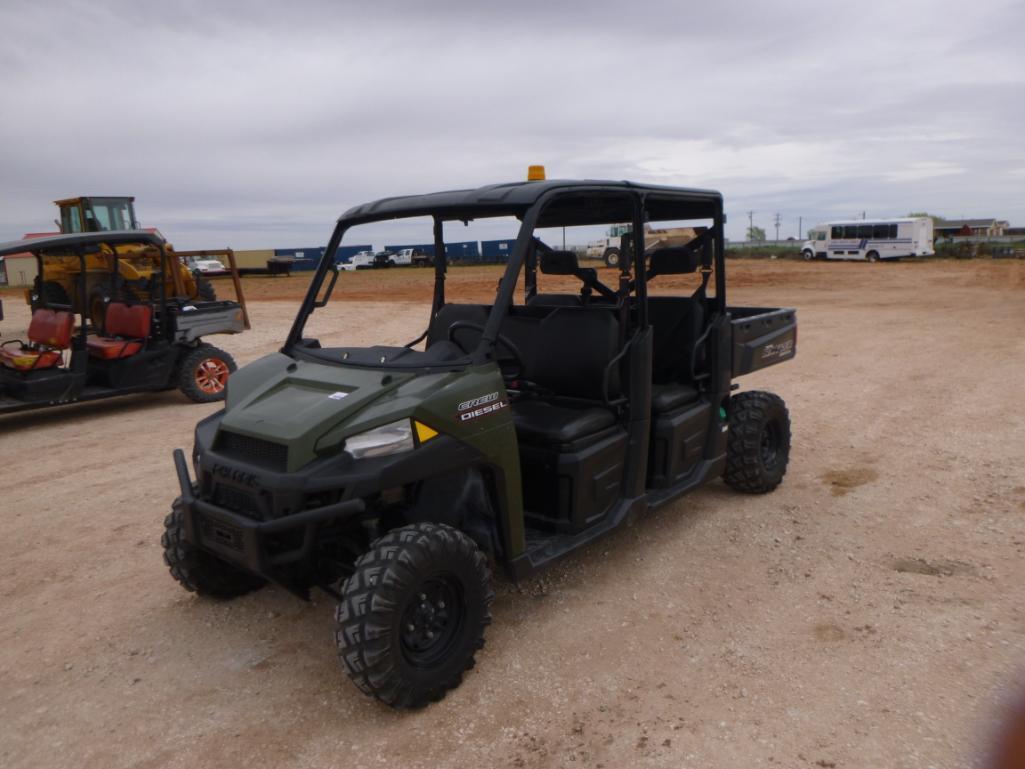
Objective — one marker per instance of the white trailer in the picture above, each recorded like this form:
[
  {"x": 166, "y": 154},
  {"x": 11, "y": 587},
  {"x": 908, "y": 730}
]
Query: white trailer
[{"x": 870, "y": 239}]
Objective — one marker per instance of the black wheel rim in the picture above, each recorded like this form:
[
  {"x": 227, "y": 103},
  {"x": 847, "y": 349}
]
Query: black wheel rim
[
  {"x": 772, "y": 437},
  {"x": 431, "y": 622}
]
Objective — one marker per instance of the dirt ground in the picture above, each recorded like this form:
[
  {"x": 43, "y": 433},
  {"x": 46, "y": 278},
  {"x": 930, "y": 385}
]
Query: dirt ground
[{"x": 868, "y": 613}]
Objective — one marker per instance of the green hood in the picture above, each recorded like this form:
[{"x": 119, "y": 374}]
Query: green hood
[{"x": 313, "y": 407}]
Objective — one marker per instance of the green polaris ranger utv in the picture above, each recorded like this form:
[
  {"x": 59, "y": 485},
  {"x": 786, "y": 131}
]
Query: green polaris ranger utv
[{"x": 512, "y": 432}]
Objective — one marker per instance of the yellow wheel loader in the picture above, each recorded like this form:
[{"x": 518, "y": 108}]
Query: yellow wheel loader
[{"x": 138, "y": 265}]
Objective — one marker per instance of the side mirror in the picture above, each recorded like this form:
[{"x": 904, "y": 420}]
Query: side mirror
[{"x": 558, "y": 262}]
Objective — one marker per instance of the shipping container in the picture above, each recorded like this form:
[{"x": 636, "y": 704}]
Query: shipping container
[
  {"x": 496, "y": 251},
  {"x": 468, "y": 251}
]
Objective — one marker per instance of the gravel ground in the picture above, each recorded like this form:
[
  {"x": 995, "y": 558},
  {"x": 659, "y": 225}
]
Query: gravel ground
[{"x": 866, "y": 614}]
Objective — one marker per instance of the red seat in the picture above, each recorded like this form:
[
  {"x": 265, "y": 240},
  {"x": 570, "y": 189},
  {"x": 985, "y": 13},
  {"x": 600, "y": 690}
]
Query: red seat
[
  {"x": 48, "y": 334},
  {"x": 127, "y": 327},
  {"x": 112, "y": 349}
]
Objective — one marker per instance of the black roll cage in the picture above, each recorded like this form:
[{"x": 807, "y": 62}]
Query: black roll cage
[{"x": 529, "y": 215}]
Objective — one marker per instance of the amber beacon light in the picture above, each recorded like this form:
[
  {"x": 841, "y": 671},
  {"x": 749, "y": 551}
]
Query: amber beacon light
[{"x": 535, "y": 173}]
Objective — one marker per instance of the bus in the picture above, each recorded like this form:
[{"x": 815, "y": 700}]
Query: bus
[{"x": 870, "y": 240}]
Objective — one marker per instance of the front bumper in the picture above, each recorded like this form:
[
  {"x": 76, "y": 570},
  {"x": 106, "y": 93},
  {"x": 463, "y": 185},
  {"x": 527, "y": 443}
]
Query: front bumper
[{"x": 246, "y": 542}]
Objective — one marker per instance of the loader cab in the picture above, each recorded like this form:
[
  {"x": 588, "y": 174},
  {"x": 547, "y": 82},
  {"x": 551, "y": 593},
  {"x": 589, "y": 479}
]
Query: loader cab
[{"x": 97, "y": 214}]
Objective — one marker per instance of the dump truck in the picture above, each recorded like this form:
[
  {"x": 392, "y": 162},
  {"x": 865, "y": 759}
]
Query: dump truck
[{"x": 608, "y": 248}]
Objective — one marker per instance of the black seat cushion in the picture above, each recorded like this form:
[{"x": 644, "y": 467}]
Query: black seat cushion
[
  {"x": 666, "y": 397},
  {"x": 541, "y": 422},
  {"x": 573, "y": 347}
]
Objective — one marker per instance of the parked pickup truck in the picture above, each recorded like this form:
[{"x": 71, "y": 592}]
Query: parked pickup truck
[
  {"x": 414, "y": 256},
  {"x": 363, "y": 260}
]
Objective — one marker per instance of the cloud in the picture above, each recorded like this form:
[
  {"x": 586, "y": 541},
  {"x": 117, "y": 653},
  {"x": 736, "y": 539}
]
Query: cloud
[{"x": 255, "y": 124}]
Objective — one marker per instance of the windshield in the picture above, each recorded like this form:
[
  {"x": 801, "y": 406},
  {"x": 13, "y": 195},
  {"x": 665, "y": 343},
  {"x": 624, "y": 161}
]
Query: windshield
[
  {"x": 104, "y": 214},
  {"x": 387, "y": 303},
  {"x": 492, "y": 268}
]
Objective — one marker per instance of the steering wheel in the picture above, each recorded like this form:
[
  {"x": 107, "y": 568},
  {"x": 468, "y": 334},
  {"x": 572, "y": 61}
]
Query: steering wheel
[{"x": 515, "y": 357}]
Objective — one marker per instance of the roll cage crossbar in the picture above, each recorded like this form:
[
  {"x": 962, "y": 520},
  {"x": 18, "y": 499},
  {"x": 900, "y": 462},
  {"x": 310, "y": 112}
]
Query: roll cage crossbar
[{"x": 534, "y": 211}]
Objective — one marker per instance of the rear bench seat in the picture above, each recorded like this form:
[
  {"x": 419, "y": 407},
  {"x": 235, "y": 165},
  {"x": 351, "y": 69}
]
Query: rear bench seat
[
  {"x": 677, "y": 323},
  {"x": 127, "y": 327},
  {"x": 49, "y": 333}
]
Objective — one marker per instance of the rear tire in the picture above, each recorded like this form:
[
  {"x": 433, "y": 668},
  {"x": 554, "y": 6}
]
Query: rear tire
[
  {"x": 413, "y": 614},
  {"x": 758, "y": 447},
  {"x": 198, "y": 571},
  {"x": 203, "y": 373},
  {"x": 611, "y": 257},
  {"x": 872, "y": 256}
]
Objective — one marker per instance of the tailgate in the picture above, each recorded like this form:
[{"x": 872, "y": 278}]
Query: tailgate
[{"x": 762, "y": 336}]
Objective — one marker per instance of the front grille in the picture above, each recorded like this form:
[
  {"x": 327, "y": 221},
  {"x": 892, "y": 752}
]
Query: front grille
[
  {"x": 256, "y": 451},
  {"x": 236, "y": 500}
]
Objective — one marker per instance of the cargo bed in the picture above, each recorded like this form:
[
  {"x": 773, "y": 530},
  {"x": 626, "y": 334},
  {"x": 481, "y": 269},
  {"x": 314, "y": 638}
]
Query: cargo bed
[{"x": 762, "y": 336}]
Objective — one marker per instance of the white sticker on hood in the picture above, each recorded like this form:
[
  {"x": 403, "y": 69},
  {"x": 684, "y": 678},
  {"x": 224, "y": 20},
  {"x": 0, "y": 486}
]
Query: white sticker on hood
[{"x": 338, "y": 396}]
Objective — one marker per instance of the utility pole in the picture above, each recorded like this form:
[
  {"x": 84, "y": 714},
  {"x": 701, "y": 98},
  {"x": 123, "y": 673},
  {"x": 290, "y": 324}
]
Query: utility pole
[
  {"x": 776, "y": 222},
  {"x": 800, "y": 228},
  {"x": 750, "y": 224}
]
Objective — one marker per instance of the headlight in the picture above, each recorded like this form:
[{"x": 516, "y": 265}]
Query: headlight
[{"x": 391, "y": 438}]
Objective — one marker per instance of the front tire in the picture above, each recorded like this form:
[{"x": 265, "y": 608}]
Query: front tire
[
  {"x": 203, "y": 373},
  {"x": 808, "y": 255},
  {"x": 611, "y": 257},
  {"x": 758, "y": 447},
  {"x": 198, "y": 571},
  {"x": 872, "y": 256},
  {"x": 413, "y": 614}
]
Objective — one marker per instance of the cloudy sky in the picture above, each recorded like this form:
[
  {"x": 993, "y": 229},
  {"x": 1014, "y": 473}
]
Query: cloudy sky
[{"x": 256, "y": 124}]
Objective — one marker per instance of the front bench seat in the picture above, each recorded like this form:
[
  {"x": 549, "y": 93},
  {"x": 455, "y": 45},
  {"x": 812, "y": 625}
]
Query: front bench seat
[
  {"x": 49, "y": 333},
  {"x": 127, "y": 328},
  {"x": 540, "y": 422}
]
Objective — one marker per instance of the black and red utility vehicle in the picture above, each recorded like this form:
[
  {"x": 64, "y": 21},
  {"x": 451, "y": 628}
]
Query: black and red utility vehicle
[{"x": 141, "y": 345}]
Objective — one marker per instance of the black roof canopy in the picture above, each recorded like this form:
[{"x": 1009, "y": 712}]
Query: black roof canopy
[
  {"x": 68, "y": 242},
  {"x": 515, "y": 198}
]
